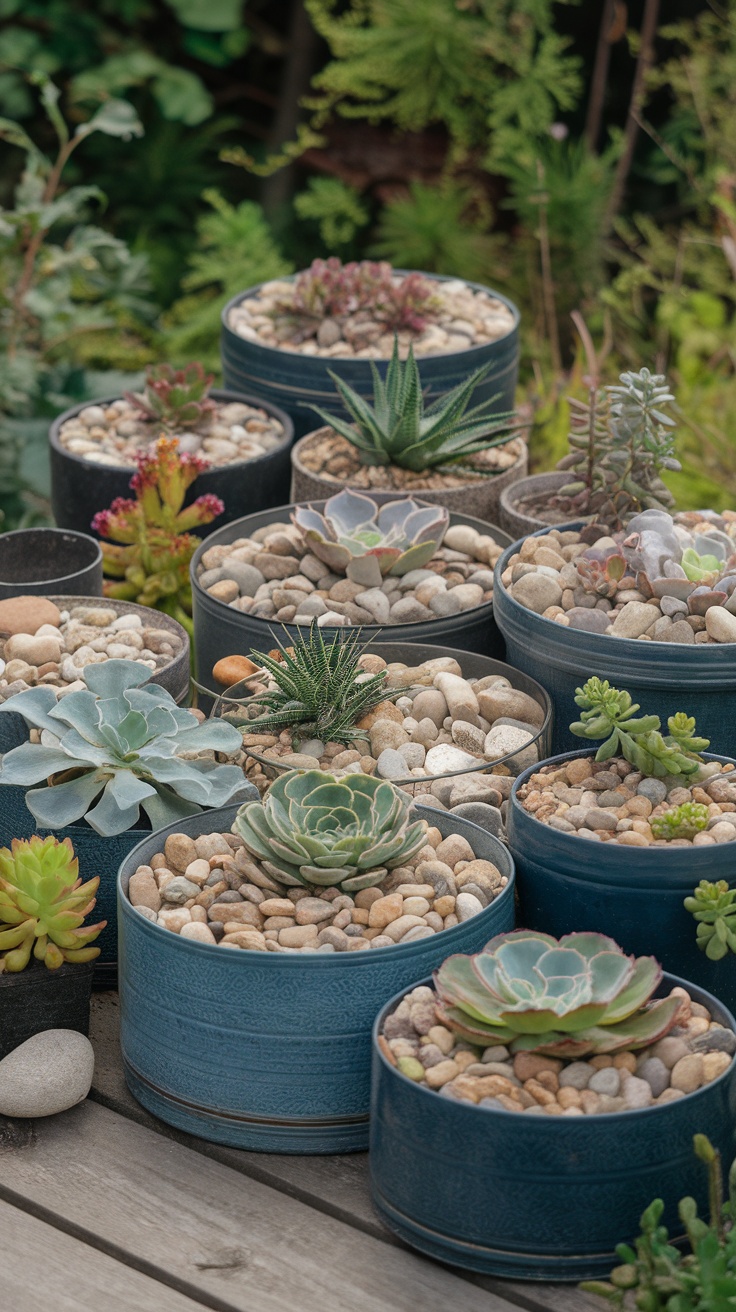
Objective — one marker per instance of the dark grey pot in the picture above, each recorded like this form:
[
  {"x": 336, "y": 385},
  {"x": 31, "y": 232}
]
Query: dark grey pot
[
  {"x": 37, "y": 999},
  {"x": 79, "y": 488},
  {"x": 42, "y": 560},
  {"x": 512, "y": 520},
  {"x": 294, "y": 381}
]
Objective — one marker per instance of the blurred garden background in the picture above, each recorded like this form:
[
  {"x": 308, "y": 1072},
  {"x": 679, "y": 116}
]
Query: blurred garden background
[{"x": 159, "y": 156}]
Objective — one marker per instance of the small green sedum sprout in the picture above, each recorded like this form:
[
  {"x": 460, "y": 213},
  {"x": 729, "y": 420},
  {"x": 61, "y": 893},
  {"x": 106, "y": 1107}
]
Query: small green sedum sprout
[
  {"x": 712, "y": 906},
  {"x": 684, "y": 821},
  {"x": 610, "y": 713},
  {"x": 399, "y": 430}
]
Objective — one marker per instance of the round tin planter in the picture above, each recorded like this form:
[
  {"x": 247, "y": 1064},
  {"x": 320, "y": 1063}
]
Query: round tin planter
[
  {"x": 37, "y": 999},
  {"x": 295, "y": 381},
  {"x": 38, "y": 561},
  {"x": 635, "y": 895},
  {"x": 220, "y": 630},
  {"x": 480, "y": 497},
  {"x": 268, "y": 1051},
  {"x": 536, "y": 1197},
  {"x": 663, "y": 677},
  {"x": 79, "y": 488},
  {"x": 473, "y": 666},
  {"x": 514, "y": 521}
]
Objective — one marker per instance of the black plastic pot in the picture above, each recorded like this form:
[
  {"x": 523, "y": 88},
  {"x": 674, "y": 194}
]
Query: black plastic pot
[
  {"x": 295, "y": 381},
  {"x": 220, "y": 630},
  {"x": 45, "y": 560},
  {"x": 37, "y": 999},
  {"x": 79, "y": 488}
]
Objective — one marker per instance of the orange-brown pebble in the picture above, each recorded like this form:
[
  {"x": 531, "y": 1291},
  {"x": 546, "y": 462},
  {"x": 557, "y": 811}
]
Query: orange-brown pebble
[
  {"x": 539, "y": 1093},
  {"x": 231, "y": 669}
]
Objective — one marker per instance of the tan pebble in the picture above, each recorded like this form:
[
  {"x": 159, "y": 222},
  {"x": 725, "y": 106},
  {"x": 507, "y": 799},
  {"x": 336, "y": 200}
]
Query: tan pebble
[
  {"x": 669, "y": 1095},
  {"x": 568, "y": 1097},
  {"x": 600, "y": 1062},
  {"x": 539, "y": 1093},
  {"x": 276, "y": 906},
  {"x": 434, "y": 920},
  {"x": 358, "y": 916},
  {"x": 697, "y": 1009},
  {"x": 685, "y": 1008},
  {"x": 198, "y": 871},
  {"x": 248, "y": 939},
  {"x": 640, "y": 806},
  {"x": 589, "y": 1101},
  {"x": 143, "y": 890},
  {"x": 415, "y": 890},
  {"x": 714, "y": 1064},
  {"x": 279, "y": 922},
  {"x": 385, "y": 910},
  {"x": 687, "y": 1073},
  {"x": 242, "y": 913},
  {"x": 451, "y": 921},
  {"x": 527, "y": 1065},
  {"x": 630, "y": 838},
  {"x": 174, "y": 919},
  {"x": 208, "y": 895},
  {"x": 434, "y": 838},
  {"x": 397, "y": 928},
  {"x": 453, "y": 849},
  {"x": 180, "y": 851},
  {"x": 199, "y": 932},
  {"x": 198, "y": 913},
  {"x": 444, "y": 905},
  {"x": 625, "y": 1061},
  {"x": 442, "y": 1038},
  {"x": 226, "y": 590},
  {"x": 553, "y": 1109},
  {"x": 548, "y": 1080},
  {"x": 415, "y": 906},
  {"x": 158, "y": 861},
  {"x": 696, "y": 1026},
  {"x": 463, "y": 1059},
  {"x": 367, "y": 896},
  {"x": 298, "y": 937},
  {"x": 442, "y": 1073}
]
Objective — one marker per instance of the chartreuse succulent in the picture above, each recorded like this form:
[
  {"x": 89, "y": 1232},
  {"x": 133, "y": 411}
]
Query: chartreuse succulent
[
  {"x": 320, "y": 690},
  {"x": 401, "y": 535},
  {"x": 684, "y": 821},
  {"x": 43, "y": 903},
  {"x": 570, "y": 998},
  {"x": 712, "y": 906},
  {"x": 398, "y": 429},
  {"x": 114, "y": 747},
  {"x": 313, "y": 828},
  {"x": 611, "y": 714}
]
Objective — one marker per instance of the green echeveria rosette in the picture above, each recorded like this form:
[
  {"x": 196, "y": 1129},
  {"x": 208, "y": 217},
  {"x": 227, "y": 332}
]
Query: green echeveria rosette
[
  {"x": 313, "y": 828},
  {"x": 570, "y": 998}
]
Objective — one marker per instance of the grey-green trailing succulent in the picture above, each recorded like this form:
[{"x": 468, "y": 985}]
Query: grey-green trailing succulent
[
  {"x": 116, "y": 747},
  {"x": 313, "y": 828},
  {"x": 610, "y": 713},
  {"x": 712, "y": 906},
  {"x": 398, "y": 429},
  {"x": 683, "y": 821},
  {"x": 320, "y": 690}
]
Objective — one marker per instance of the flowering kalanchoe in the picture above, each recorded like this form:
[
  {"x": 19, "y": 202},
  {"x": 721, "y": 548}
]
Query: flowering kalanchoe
[
  {"x": 175, "y": 398},
  {"x": 329, "y": 289},
  {"x": 150, "y": 544}
]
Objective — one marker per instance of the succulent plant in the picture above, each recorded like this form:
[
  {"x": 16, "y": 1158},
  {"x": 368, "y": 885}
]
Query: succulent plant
[
  {"x": 713, "y": 907},
  {"x": 621, "y": 440},
  {"x": 611, "y": 714},
  {"x": 668, "y": 558},
  {"x": 329, "y": 289},
  {"x": 151, "y": 545},
  {"x": 398, "y": 430},
  {"x": 402, "y": 535},
  {"x": 320, "y": 690},
  {"x": 601, "y": 570},
  {"x": 313, "y": 828},
  {"x": 565, "y": 998},
  {"x": 175, "y": 398},
  {"x": 43, "y": 903},
  {"x": 684, "y": 821},
  {"x": 114, "y": 747}
]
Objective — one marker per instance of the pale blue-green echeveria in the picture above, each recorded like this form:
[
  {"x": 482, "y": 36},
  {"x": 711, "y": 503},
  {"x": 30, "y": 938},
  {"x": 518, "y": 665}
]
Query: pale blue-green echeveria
[
  {"x": 313, "y": 828},
  {"x": 402, "y": 535},
  {"x": 570, "y": 998},
  {"x": 114, "y": 747}
]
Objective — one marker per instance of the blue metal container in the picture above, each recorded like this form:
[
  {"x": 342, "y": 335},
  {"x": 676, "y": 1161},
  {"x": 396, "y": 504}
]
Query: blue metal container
[
  {"x": 536, "y": 1197},
  {"x": 294, "y": 381},
  {"x": 635, "y": 895},
  {"x": 663, "y": 677},
  {"x": 221, "y": 630},
  {"x": 266, "y": 1051}
]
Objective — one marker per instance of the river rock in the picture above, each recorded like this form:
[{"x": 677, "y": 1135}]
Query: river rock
[
  {"x": 445, "y": 757},
  {"x": 511, "y": 703},
  {"x": 49, "y": 1073},
  {"x": 719, "y": 622},
  {"x": 635, "y": 618},
  {"x": 479, "y": 813},
  {"x": 537, "y": 592},
  {"x": 430, "y": 704},
  {"x": 588, "y": 621},
  {"x": 26, "y": 614}
]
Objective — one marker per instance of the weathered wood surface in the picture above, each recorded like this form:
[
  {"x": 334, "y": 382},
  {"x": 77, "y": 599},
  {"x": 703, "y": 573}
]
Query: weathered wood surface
[{"x": 217, "y": 1227}]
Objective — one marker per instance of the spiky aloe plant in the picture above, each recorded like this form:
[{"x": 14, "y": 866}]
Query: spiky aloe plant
[
  {"x": 569, "y": 998},
  {"x": 320, "y": 690},
  {"x": 398, "y": 429},
  {"x": 43, "y": 903}
]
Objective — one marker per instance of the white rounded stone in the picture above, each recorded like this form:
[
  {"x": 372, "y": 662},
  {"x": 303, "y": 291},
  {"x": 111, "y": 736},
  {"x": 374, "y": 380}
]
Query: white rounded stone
[
  {"x": 49, "y": 1073},
  {"x": 444, "y": 758}
]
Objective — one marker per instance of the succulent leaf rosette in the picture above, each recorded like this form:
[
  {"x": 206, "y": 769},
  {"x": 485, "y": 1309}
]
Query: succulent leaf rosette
[
  {"x": 610, "y": 713},
  {"x": 43, "y": 903},
  {"x": 566, "y": 998},
  {"x": 175, "y": 398},
  {"x": 114, "y": 747},
  {"x": 313, "y": 828},
  {"x": 402, "y": 534}
]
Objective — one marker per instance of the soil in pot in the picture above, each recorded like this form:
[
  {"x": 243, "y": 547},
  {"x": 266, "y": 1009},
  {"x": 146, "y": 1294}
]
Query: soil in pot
[
  {"x": 433, "y": 733},
  {"x": 49, "y": 640},
  {"x": 446, "y": 315},
  {"x": 214, "y": 890},
  {"x": 37, "y": 999}
]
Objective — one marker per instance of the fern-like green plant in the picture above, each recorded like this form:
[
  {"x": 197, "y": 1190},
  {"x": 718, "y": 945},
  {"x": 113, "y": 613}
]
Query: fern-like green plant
[
  {"x": 398, "y": 430},
  {"x": 320, "y": 690},
  {"x": 338, "y": 209},
  {"x": 442, "y": 229}
]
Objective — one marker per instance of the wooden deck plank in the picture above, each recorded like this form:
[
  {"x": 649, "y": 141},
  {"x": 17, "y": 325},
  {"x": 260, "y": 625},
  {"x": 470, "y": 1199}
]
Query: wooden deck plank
[
  {"x": 42, "y": 1267},
  {"x": 199, "y": 1223},
  {"x": 337, "y": 1186}
]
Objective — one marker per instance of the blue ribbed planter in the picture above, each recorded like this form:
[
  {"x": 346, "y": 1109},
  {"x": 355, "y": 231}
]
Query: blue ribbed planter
[
  {"x": 536, "y": 1197},
  {"x": 635, "y": 895},
  {"x": 294, "y": 381},
  {"x": 663, "y": 677},
  {"x": 269, "y": 1051}
]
